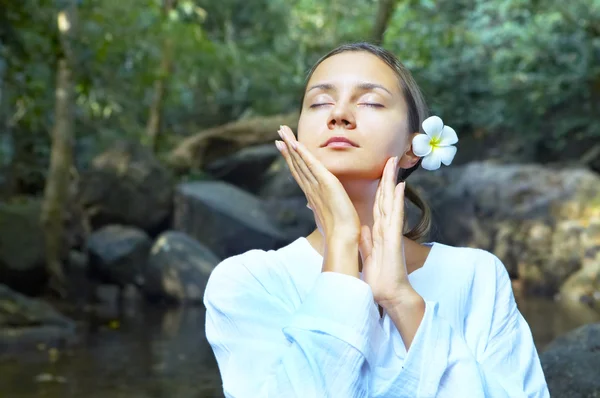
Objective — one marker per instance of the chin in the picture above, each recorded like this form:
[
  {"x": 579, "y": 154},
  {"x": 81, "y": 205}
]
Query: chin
[{"x": 351, "y": 169}]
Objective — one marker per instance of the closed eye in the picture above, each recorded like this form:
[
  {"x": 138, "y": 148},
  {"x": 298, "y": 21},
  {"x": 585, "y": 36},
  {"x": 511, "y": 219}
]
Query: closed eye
[{"x": 369, "y": 104}]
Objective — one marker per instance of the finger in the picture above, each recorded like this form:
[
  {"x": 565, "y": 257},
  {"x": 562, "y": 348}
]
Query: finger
[
  {"x": 291, "y": 153},
  {"x": 396, "y": 171},
  {"x": 398, "y": 212},
  {"x": 285, "y": 152},
  {"x": 365, "y": 245},
  {"x": 376, "y": 205},
  {"x": 299, "y": 163},
  {"x": 384, "y": 208},
  {"x": 388, "y": 188},
  {"x": 314, "y": 166}
]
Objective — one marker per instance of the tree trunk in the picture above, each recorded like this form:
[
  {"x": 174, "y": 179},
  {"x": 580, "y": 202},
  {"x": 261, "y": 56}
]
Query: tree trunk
[
  {"x": 61, "y": 158},
  {"x": 384, "y": 14},
  {"x": 160, "y": 84}
]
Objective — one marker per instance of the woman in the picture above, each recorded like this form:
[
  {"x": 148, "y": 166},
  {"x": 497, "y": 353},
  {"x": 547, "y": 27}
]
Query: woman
[{"x": 356, "y": 309}]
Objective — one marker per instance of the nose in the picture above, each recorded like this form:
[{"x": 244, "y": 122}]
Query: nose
[{"x": 341, "y": 117}]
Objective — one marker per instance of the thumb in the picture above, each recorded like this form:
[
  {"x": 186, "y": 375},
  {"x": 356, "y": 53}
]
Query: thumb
[{"x": 365, "y": 245}]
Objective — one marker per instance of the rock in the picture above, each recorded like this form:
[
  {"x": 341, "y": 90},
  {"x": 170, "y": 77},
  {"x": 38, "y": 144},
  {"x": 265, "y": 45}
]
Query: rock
[
  {"x": 290, "y": 215},
  {"x": 584, "y": 285},
  {"x": 22, "y": 252},
  {"x": 278, "y": 182},
  {"x": 245, "y": 168},
  {"x": 27, "y": 322},
  {"x": 80, "y": 287},
  {"x": 118, "y": 254},
  {"x": 127, "y": 185},
  {"x": 226, "y": 219},
  {"x": 178, "y": 269},
  {"x": 571, "y": 363},
  {"x": 18, "y": 310},
  {"x": 534, "y": 218}
]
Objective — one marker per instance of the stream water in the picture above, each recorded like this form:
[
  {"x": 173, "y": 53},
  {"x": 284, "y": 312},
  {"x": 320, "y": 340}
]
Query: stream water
[{"x": 148, "y": 352}]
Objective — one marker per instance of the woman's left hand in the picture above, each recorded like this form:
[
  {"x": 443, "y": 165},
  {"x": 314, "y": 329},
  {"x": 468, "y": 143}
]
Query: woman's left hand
[{"x": 382, "y": 249}]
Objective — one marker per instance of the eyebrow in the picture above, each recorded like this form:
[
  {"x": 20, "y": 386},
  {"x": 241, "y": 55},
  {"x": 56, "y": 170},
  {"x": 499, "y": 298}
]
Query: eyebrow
[{"x": 363, "y": 86}]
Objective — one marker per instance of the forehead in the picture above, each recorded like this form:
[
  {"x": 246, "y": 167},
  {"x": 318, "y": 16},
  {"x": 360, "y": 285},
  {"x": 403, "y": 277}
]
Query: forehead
[{"x": 351, "y": 67}]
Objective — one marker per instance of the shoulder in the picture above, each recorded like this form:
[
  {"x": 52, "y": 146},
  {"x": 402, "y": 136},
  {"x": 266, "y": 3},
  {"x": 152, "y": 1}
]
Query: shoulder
[
  {"x": 253, "y": 272},
  {"x": 473, "y": 270},
  {"x": 235, "y": 272},
  {"x": 470, "y": 262}
]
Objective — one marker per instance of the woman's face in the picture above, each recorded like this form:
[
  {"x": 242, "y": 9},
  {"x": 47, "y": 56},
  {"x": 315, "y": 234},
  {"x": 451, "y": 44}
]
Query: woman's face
[{"x": 355, "y": 96}]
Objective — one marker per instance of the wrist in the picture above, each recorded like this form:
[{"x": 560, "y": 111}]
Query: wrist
[
  {"x": 405, "y": 299},
  {"x": 343, "y": 239},
  {"x": 341, "y": 255},
  {"x": 407, "y": 316}
]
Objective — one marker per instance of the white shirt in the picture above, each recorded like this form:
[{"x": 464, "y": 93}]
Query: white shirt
[{"x": 279, "y": 327}]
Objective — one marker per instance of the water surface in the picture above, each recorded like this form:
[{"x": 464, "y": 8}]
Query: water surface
[{"x": 149, "y": 352}]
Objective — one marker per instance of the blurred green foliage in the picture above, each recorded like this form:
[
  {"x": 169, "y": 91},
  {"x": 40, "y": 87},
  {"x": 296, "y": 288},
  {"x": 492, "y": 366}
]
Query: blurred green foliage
[{"x": 529, "y": 69}]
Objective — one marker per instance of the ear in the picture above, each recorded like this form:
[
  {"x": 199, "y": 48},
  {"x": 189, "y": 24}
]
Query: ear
[{"x": 408, "y": 158}]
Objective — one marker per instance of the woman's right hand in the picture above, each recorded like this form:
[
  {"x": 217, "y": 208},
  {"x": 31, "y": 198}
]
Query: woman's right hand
[{"x": 335, "y": 214}]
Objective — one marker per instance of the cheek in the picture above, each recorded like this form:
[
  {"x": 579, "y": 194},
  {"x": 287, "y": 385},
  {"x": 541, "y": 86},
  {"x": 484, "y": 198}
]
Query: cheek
[
  {"x": 389, "y": 143},
  {"x": 308, "y": 129},
  {"x": 303, "y": 127}
]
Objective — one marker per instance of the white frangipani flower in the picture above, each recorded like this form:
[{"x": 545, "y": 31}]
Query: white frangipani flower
[{"x": 436, "y": 146}]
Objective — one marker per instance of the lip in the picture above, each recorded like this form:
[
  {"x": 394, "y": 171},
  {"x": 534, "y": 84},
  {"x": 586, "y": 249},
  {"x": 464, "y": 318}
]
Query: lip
[{"x": 339, "y": 142}]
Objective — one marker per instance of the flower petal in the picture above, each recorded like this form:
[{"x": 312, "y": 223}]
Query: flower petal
[
  {"x": 421, "y": 145},
  {"x": 432, "y": 161},
  {"x": 432, "y": 126},
  {"x": 448, "y": 136},
  {"x": 446, "y": 154}
]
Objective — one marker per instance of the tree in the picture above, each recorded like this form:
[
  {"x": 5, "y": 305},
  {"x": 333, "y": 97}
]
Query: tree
[
  {"x": 61, "y": 157},
  {"x": 160, "y": 84},
  {"x": 384, "y": 14}
]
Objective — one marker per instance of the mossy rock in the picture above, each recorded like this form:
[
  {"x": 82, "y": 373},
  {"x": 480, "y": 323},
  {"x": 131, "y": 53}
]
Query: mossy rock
[{"x": 22, "y": 246}]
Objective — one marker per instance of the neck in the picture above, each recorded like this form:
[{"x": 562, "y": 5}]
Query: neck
[{"x": 362, "y": 195}]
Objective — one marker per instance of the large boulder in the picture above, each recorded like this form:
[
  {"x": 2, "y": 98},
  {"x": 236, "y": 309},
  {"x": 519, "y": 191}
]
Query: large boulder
[
  {"x": 540, "y": 221},
  {"x": 584, "y": 284},
  {"x": 127, "y": 185},
  {"x": 25, "y": 323},
  {"x": 246, "y": 167},
  {"x": 118, "y": 255},
  {"x": 178, "y": 269},
  {"x": 571, "y": 363},
  {"x": 22, "y": 258},
  {"x": 226, "y": 219},
  {"x": 260, "y": 170},
  {"x": 290, "y": 215},
  {"x": 278, "y": 182}
]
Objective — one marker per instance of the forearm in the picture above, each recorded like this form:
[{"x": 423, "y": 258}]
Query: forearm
[{"x": 407, "y": 313}]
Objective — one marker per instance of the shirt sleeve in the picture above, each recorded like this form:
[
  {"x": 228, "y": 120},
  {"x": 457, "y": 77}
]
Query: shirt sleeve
[
  {"x": 441, "y": 363},
  {"x": 266, "y": 348}
]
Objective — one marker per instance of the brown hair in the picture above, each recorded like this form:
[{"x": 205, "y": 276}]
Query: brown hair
[{"x": 417, "y": 112}]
